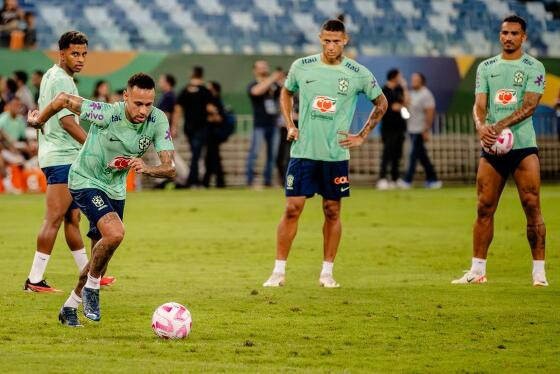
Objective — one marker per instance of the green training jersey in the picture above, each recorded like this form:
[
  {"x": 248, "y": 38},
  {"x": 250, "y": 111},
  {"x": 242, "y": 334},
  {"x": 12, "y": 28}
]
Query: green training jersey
[
  {"x": 505, "y": 82},
  {"x": 13, "y": 127},
  {"x": 56, "y": 146},
  {"x": 327, "y": 102},
  {"x": 111, "y": 136}
]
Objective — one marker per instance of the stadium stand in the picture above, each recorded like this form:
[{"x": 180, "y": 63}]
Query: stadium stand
[{"x": 429, "y": 27}]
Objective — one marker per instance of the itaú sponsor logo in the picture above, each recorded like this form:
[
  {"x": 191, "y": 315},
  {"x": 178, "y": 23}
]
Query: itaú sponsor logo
[
  {"x": 341, "y": 180},
  {"x": 505, "y": 97},
  {"x": 324, "y": 104}
]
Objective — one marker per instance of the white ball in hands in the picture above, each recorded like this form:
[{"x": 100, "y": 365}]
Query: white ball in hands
[{"x": 503, "y": 144}]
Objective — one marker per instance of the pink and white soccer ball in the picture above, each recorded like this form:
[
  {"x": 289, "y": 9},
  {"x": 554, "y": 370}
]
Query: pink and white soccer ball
[
  {"x": 503, "y": 144},
  {"x": 172, "y": 321}
]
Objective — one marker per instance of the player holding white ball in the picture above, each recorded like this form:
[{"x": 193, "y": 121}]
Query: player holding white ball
[{"x": 508, "y": 89}]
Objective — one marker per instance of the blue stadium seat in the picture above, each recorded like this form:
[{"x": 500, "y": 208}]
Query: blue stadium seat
[{"x": 378, "y": 25}]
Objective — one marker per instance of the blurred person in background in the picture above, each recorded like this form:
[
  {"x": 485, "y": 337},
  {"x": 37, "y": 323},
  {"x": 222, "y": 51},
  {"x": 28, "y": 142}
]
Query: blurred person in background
[
  {"x": 13, "y": 125},
  {"x": 8, "y": 88},
  {"x": 36, "y": 78},
  {"x": 10, "y": 16},
  {"x": 12, "y": 122},
  {"x": 166, "y": 84},
  {"x": 264, "y": 92},
  {"x": 23, "y": 92},
  {"x": 422, "y": 109},
  {"x": 393, "y": 128},
  {"x": 30, "y": 37},
  {"x": 167, "y": 101},
  {"x": 221, "y": 124},
  {"x": 102, "y": 91},
  {"x": 116, "y": 96},
  {"x": 283, "y": 154},
  {"x": 191, "y": 105}
]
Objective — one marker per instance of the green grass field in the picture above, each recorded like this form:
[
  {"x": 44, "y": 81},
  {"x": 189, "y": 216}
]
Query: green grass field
[{"x": 211, "y": 251}]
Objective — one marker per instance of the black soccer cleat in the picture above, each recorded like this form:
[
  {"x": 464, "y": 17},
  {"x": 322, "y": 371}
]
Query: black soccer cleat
[
  {"x": 90, "y": 302},
  {"x": 69, "y": 317},
  {"x": 41, "y": 287}
]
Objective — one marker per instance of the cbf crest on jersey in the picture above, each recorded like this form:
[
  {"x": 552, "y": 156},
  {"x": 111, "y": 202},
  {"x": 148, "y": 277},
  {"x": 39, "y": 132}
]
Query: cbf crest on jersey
[
  {"x": 143, "y": 144},
  {"x": 518, "y": 78},
  {"x": 343, "y": 85}
]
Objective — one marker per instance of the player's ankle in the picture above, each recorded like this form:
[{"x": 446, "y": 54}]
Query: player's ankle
[
  {"x": 327, "y": 268},
  {"x": 538, "y": 266},
  {"x": 478, "y": 266},
  {"x": 93, "y": 282},
  {"x": 279, "y": 267}
]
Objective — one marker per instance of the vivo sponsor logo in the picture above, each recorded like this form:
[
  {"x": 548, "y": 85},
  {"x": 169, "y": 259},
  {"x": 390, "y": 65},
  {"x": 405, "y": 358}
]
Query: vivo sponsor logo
[{"x": 95, "y": 116}]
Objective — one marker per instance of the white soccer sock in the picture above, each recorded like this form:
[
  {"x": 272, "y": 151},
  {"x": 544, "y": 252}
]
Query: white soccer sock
[
  {"x": 279, "y": 267},
  {"x": 92, "y": 282},
  {"x": 478, "y": 266},
  {"x": 80, "y": 256},
  {"x": 39, "y": 266},
  {"x": 73, "y": 300},
  {"x": 327, "y": 268},
  {"x": 538, "y": 266}
]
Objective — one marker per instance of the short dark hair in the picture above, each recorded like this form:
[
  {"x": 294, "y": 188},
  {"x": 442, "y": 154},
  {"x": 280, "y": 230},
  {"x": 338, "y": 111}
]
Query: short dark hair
[
  {"x": 516, "y": 19},
  {"x": 197, "y": 72},
  {"x": 21, "y": 76},
  {"x": 170, "y": 79},
  {"x": 422, "y": 77},
  {"x": 71, "y": 37},
  {"x": 141, "y": 80},
  {"x": 391, "y": 74},
  {"x": 216, "y": 86},
  {"x": 39, "y": 72},
  {"x": 333, "y": 25},
  {"x": 12, "y": 85}
]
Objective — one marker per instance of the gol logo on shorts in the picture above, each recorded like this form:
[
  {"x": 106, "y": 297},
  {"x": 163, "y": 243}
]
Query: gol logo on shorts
[
  {"x": 324, "y": 104},
  {"x": 341, "y": 180},
  {"x": 505, "y": 97}
]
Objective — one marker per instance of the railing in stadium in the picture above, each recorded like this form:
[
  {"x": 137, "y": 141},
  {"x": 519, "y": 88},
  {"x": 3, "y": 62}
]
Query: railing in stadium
[{"x": 453, "y": 147}]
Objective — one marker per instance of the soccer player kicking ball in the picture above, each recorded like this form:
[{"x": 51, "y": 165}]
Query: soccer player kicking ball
[
  {"x": 328, "y": 85},
  {"x": 59, "y": 144},
  {"x": 508, "y": 89},
  {"x": 120, "y": 134}
]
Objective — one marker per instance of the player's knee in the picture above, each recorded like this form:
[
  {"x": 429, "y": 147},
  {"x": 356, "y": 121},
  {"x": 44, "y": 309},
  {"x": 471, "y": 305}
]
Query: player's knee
[
  {"x": 54, "y": 219},
  {"x": 529, "y": 199},
  {"x": 486, "y": 208},
  {"x": 114, "y": 237},
  {"x": 293, "y": 210},
  {"x": 72, "y": 217},
  {"x": 331, "y": 211}
]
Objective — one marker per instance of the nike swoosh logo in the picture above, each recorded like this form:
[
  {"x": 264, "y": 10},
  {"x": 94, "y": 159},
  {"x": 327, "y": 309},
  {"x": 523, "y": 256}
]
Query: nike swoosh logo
[
  {"x": 469, "y": 280},
  {"x": 342, "y": 189},
  {"x": 494, "y": 75},
  {"x": 114, "y": 140},
  {"x": 311, "y": 81}
]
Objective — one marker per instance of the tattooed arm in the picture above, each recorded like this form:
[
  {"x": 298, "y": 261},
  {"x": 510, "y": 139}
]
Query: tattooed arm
[
  {"x": 166, "y": 169},
  {"x": 63, "y": 100},
  {"x": 530, "y": 102},
  {"x": 374, "y": 118}
]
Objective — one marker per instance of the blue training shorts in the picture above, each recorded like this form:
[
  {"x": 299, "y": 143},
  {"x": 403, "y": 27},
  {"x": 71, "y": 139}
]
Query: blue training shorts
[
  {"x": 95, "y": 203},
  {"x": 327, "y": 178},
  {"x": 59, "y": 175}
]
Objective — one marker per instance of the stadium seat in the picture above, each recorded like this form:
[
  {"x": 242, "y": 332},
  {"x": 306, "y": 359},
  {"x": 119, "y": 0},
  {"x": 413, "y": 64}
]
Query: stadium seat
[{"x": 274, "y": 26}]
